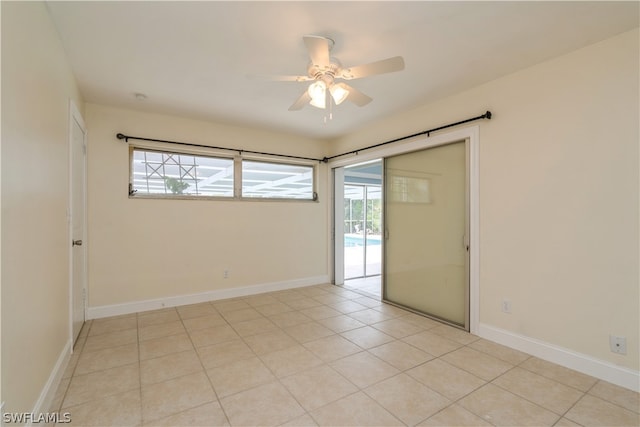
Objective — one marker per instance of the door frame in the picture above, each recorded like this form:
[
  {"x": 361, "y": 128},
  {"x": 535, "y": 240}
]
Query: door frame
[
  {"x": 76, "y": 117},
  {"x": 470, "y": 133}
]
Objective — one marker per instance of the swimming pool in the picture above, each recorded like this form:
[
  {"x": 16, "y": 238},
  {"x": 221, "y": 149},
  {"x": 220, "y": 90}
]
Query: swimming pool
[{"x": 351, "y": 240}]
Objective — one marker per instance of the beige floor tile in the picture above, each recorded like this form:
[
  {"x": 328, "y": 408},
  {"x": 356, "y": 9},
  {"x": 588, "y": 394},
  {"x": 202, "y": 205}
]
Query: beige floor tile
[
  {"x": 71, "y": 366},
  {"x": 116, "y": 410},
  {"x": 170, "y": 366},
  {"x": 454, "y": 415},
  {"x": 620, "y": 396},
  {"x": 260, "y": 300},
  {"x": 499, "y": 407},
  {"x": 241, "y": 315},
  {"x": 308, "y": 331},
  {"x": 341, "y": 323},
  {"x": 273, "y": 308},
  {"x": 312, "y": 291},
  {"x": 320, "y": 312},
  {"x": 329, "y": 298},
  {"x": 254, "y": 327},
  {"x": 106, "y": 358},
  {"x": 166, "y": 345},
  {"x": 270, "y": 341},
  {"x": 357, "y": 409},
  {"x": 370, "y": 316},
  {"x": 110, "y": 339},
  {"x": 203, "y": 322},
  {"x": 269, "y": 404},
  {"x": 318, "y": 386},
  {"x": 177, "y": 395},
  {"x": 331, "y": 348},
  {"x": 288, "y": 319},
  {"x": 446, "y": 379},
  {"x": 367, "y": 337},
  {"x": 422, "y": 321},
  {"x": 290, "y": 295},
  {"x": 368, "y": 301},
  {"x": 113, "y": 324},
  {"x": 501, "y": 352},
  {"x": 432, "y": 343},
  {"x": 391, "y": 310},
  {"x": 479, "y": 364},
  {"x": 161, "y": 330},
  {"x": 225, "y": 306},
  {"x": 363, "y": 369},
  {"x": 209, "y": 414},
  {"x": 215, "y": 335},
  {"x": 96, "y": 385},
  {"x": 213, "y": 356},
  {"x": 58, "y": 397},
  {"x": 407, "y": 399},
  {"x": 157, "y": 317},
  {"x": 290, "y": 360},
  {"x": 196, "y": 310},
  {"x": 593, "y": 411},
  {"x": 303, "y": 303},
  {"x": 454, "y": 334},
  {"x": 347, "y": 306},
  {"x": 239, "y": 376},
  {"x": 302, "y": 421},
  {"x": 564, "y": 422},
  {"x": 398, "y": 328},
  {"x": 559, "y": 373},
  {"x": 547, "y": 393},
  {"x": 401, "y": 355}
]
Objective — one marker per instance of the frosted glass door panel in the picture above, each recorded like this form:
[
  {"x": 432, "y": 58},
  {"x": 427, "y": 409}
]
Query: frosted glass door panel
[{"x": 426, "y": 223}]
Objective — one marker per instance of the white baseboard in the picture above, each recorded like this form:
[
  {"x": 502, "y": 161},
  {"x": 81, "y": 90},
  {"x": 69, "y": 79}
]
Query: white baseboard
[
  {"x": 48, "y": 393},
  {"x": 619, "y": 375},
  {"x": 218, "y": 294}
]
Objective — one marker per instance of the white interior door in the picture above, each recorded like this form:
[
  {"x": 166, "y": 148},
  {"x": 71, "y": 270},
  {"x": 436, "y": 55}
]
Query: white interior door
[{"x": 78, "y": 219}]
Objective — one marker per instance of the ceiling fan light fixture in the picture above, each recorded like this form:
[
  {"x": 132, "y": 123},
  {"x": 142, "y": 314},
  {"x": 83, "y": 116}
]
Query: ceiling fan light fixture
[
  {"x": 317, "y": 92},
  {"x": 339, "y": 93}
]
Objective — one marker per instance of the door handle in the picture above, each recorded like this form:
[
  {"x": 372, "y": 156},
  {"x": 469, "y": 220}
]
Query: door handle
[{"x": 76, "y": 243}]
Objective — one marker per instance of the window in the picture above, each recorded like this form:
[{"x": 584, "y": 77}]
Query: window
[
  {"x": 180, "y": 174},
  {"x": 157, "y": 173},
  {"x": 277, "y": 180}
]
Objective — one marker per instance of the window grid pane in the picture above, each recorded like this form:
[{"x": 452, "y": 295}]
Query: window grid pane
[
  {"x": 176, "y": 174},
  {"x": 276, "y": 180}
]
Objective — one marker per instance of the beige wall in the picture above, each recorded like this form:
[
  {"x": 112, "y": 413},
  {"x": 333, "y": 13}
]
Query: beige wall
[
  {"x": 36, "y": 86},
  {"x": 558, "y": 195},
  {"x": 142, "y": 249}
]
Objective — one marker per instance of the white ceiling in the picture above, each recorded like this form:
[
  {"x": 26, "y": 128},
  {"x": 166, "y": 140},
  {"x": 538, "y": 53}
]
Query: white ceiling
[{"x": 194, "y": 58}]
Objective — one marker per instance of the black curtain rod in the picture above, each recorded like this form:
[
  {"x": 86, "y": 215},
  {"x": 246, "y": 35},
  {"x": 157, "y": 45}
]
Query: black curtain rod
[
  {"x": 486, "y": 115},
  {"x": 240, "y": 151}
]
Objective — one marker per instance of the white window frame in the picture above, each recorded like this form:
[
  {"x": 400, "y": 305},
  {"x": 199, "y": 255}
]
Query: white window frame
[{"x": 237, "y": 175}]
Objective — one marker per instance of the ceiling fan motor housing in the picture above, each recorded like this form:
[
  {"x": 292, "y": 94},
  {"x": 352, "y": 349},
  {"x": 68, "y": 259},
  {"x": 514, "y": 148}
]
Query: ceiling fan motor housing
[{"x": 326, "y": 73}]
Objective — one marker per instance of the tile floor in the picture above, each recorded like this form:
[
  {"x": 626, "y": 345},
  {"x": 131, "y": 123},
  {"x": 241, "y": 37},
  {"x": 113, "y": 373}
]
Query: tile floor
[{"x": 321, "y": 355}]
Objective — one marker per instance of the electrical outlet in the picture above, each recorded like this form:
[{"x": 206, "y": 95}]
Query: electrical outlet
[
  {"x": 618, "y": 344},
  {"x": 226, "y": 274},
  {"x": 506, "y": 306}
]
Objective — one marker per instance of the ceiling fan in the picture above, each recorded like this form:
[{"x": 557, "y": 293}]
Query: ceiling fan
[{"x": 325, "y": 71}]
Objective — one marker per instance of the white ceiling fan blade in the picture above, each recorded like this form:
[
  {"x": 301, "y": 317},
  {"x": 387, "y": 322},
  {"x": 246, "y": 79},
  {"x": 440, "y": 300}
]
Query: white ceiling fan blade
[
  {"x": 301, "y": 102},
  {"x": 379, "y": 67},
  {"x": 357, "y": 97},
  {"x": 273, "y": 78},
  {"x": 318, "y": 48}
]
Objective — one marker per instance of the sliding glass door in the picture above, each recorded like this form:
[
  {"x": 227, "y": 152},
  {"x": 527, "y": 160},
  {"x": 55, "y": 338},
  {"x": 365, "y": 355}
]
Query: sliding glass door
[{"x": 426, "y": 227}]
